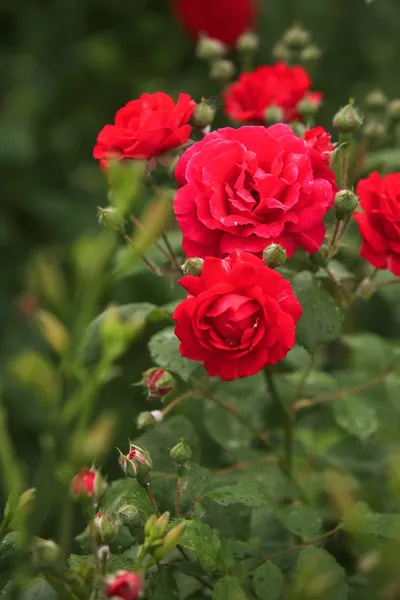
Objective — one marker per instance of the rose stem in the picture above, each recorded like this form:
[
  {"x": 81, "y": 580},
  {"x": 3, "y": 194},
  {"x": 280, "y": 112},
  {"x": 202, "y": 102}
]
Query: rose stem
[
  {"x": 152, "y": 499},
  {"x": 178, "y": 496}
]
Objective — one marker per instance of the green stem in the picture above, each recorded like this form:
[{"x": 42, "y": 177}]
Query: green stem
[
  {"x": 178, "y": 497},
  {"x": 344, "y": 163},
  {"x": 303, "y": 379},
  {"x": 152, "y": 499},
  {"x": 286, "y": 422}
]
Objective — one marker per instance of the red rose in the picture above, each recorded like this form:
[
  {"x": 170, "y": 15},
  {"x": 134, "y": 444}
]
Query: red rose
[
  {"x": 247, "y": 99},
  {"x": 239, "y": 316},
  {"x": 320, "y": 140},
  {"x": 84, "y": 483},
  {"x": 379, "y": 224},
  {"x": 249, "y": 187},
  {"x": 145, "y": 128},
  {"x": 223, "y": 20},
  {"x": 124, "y": 584}
]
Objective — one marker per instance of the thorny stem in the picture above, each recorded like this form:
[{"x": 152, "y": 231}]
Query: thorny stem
[
  {"x": 178, "y": 494},
  {"x": 138, "y": 224},
  {"x": 93, "y": 543},
  {"x": 150, "y": 494},
  {"x": 177, "y": 401},
  {"x": 174, "y": 259},
  {"x": 286, "y": 421}
]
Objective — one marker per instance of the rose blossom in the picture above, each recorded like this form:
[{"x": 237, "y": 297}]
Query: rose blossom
[
  {"x": 124, "y": 584},
  {"x": 145, "y": 128},
  {"x": 247, "y": 99},
  {"x": 320, "y": 140},
  {"x": 379, "y": 224},
  {"x": 223, "y": 20},
  {"x": 249, "y": 187},
  {"x": 84, "y": 483},
  {"x": 239, "y": 316}
]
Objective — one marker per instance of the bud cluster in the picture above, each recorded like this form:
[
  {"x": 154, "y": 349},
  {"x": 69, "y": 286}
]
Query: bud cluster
[
  {"x": 157, "y": 541},
  {"x": 296, "y": 47}
]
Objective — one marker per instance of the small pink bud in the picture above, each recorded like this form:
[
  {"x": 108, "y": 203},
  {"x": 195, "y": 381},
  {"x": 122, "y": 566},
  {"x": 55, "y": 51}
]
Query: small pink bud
[
  {"x": 124, "y": 584},
  {"x": 106, "y": 528},
  {"x": 87, "y": 484},
  {"x": 137, "y": 463},
  {"x": 158, "y": 382}
]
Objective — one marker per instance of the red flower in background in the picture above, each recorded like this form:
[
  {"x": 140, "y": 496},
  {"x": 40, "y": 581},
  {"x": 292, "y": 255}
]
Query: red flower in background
[
  {"x": 145, "y": 128},
  {"x": 124, "y": 584},
  {"x": 247, "y": 99},
  {"x": 379, "y": 224},
  {"x": 223, "y": 20},
  {"x": 249, "y": 187},
  {"x": 320, "y": 140},
  {"x": 239, "y": 316}
]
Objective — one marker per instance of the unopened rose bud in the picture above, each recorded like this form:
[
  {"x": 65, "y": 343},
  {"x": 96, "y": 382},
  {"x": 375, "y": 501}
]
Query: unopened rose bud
[
  {"x": 320, "y": 258},
  {"x": 393, "y": 110},
  {"x": 170, "y": 541},
  {"x": 274, "y": 256},
  {"x": 124, "y": 584},
  {"x": 348, "y": 118},
  {"x": 110, "y": 218},
  {"x": 248, "y": 42},
  {"x": 158, "y": 382},
  {"x": 181, "y": 453},
  {"x": 128, "y": 516},
  {"x": 282, "y": 53},
  {"x": 145, "y": 420},
  {"x": 310, "y": 55},
  {"x": 203, "y": 114},
  {"x": 148, "y": 527},
  {"x": 374, "y": 131},
  {"x": 137, "y": 463},
  {"x": 160, "y": 526},
  {"x": 106, "y": 528},
  {"x": 88, "y": 484},
  {"x": 296, "y": 37},
  {"x": 346, "y": 203},
  {"x": 222, "y": 70},
  {"x": 274, "y": 114},
  {"x": 375, "y": 101},
  {"x": 209, "y": 48},
  {"x": 308, "y": 107},
  {"x": 298, "y": 128},
  {"x": 193, "y": 266},
  {"x": 46, "y": 554}
]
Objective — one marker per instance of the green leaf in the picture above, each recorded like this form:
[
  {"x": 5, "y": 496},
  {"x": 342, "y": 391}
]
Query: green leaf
[
  {"x": 114, "y": 563},
  {"x": 369, "y": 352},
  {"x": 301, "y": 520},
  {"x": 268, "y": 582},
  {"x": 90, "y": 348},
  {"x": 195, "y": 483},
  {"x": 160, "y": 440},
  {"x": 204, "y": 542},
  {"x": 126, "y": 491},
  {"x": 320, "y": 576},
  {"x": 321, "y": 320},
  {"x": 361, "y": 520},
  {"x": 338, "y": 269},
  {"x": 229, "y": 588},
  {"x": 164, "y": 350},
  {"x": 250, "y": 495},
  {"x": 37, "y": 589},
  {"x": 356, "y": 416},
  {"x": 162, "y": 585}
]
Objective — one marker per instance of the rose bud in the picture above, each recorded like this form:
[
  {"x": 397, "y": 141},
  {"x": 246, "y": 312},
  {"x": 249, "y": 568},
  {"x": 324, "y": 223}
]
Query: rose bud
[
  {"x": 222, "y": 70},
  {"x": 156, "y": 527},
  {"x": 203, "y": 114},
  {"x": 374, "y": 131},
  {"x": 46, "y": 554},
  {"x": 209, "y": 48},
  {"x": 274, "y": 114},
  {"x": 128, "y": 515},
  {"x": 296, "y": 37},
  {"x": 137, "y": 463},
  {"x": 393, "y": 110},
  {"x": 181, "y": 453},
  {"x": 348, "y": 118},
  {"x": 346, "y": 203},
  {"x": 248, "y": 42},
  {"x": 170, "y": 541},
  {"x": 376, "y": 101},
  {"x": 309, "y": 106},
  {"x": 274, "y": 256},
  {"x": 106, "y": 529},
  {"x": 110, "y": 218},
  {"x": 158, "y": 382},
  {"x": 124, "y": 584},
  {"x": 310, "y": 55},
  {"x": 282, "y": 53},
  {"x": 193, "y": 266},
  {"x": 148, "y": 420},
  {"x": 88, "y": 484}
]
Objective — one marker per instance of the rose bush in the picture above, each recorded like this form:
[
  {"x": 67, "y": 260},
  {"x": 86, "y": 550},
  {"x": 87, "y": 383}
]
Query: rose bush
[
  {"x": 379, "y": 224},
  {"x": 247, "y": 99},
  {"x": 249, "y": 187},
  {"x": 239, "y": 316},
  {"x": 145, "y": 128}
]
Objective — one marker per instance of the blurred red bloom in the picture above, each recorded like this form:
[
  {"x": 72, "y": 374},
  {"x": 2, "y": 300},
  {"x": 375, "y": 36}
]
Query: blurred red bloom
[{"x": 224, "y": 20}]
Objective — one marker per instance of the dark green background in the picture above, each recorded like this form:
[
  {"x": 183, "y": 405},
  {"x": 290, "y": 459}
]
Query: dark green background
[{"x": 67, "y": 66}]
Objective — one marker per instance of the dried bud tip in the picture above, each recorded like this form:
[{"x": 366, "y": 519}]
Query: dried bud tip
[
  {"x": 158, "y": 382},
  {"x": 274, "y": 256},
  {"x": 393, "y": 110},
  {"x": 181, "y": 453},
  {"x": 222, "y": 70},
  {"x": 346, "y": 203},
  {"x": 193, "y": 266},
  {"x": 137, "y": 463},
  {"x": 296, "y": 37},
  {"x": 375, "y": 101},
  {"x": 88, "y": 484},
  {"x": 274, "y": 114},
  {"x": 203, "y": 114},
  {"x": 110, "y": 218},
  {"x": 248, "y": 42},
  {"x": 124, "y": 584},
  {"x": 348, "y": 118},
  {"x": 106, "y": 528},
  {"x": 209, "y": 48}
]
